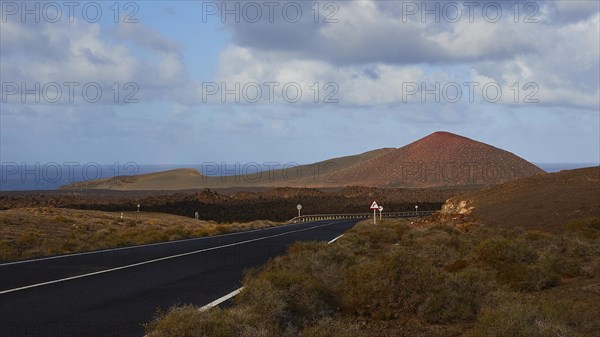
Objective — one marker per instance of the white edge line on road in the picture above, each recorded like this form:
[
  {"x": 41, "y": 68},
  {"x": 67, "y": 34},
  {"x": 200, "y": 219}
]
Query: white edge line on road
[
  {"x": 144, "y": 245},
  {"x": 334, "y": 240},
  {"x": 160, "y": 259},
  {"x": 221, "y": 300}
]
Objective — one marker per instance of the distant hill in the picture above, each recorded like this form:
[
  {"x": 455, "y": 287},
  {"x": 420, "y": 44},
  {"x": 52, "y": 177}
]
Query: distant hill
[
  {"x": 316, "y": 174},
  {"x": 177, "y": 179},
  {"x": 546, "y": 201},
  {"x": 441, "y": 159}
]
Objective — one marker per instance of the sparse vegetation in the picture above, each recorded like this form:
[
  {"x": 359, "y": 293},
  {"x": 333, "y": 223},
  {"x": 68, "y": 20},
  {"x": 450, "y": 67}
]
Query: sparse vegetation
[
  {"x": 587, "y": 226},
  {"x": 45, "y": 231},
  {"x": 403, "y": 279}
]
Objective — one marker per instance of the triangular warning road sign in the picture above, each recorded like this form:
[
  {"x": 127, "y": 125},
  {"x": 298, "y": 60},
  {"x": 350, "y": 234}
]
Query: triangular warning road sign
[{"x": 374, "y": 205}]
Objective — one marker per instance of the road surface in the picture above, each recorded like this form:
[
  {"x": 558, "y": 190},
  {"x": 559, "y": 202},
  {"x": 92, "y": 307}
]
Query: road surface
[{"x": 113, "y": 292}]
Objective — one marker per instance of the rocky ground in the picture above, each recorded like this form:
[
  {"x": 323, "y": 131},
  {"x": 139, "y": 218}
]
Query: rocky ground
[{"x": 278, "y": 204}]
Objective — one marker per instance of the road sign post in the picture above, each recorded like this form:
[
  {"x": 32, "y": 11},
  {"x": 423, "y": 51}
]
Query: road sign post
[
  {"x": 299, "y": 207},
  {"x": 380, "y": 211},
  {"x": 374, "y": 207}
]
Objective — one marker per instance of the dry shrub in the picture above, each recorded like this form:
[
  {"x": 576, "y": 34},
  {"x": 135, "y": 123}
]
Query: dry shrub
[
  {"x": 188, "y": 321},
  {"x": 438, "y": 246},
  {"x": 588, "y": 226},
  {"x": 34, "y": 232},
  {"x": 518, "y": 319},
  {"x": 518, "y": 264},
  {"x": 328, "y": 327},
  {"x": 8, "y": 251},
  {"x": 499, "y": 252},
  {"x": 296, "y": 289},
  {"x": 593, "y": 270},
  {"x": 583, "y": 317},
  {"x": 266, "y": 299},
  {"x": 458, "y": 297},
  {"x": 456, "y": 265},
  {"x": 536, "y": 235},
  {"x": 392, "y": 285}
]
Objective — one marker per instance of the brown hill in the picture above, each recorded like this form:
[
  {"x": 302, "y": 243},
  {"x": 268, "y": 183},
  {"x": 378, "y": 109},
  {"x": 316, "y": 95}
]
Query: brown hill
[
  {"x": 177, "y": 179},
  {"x": 316, "y": 174},
  {"x": 440, "y": 159},
  {"x": 544, "y": 201}
]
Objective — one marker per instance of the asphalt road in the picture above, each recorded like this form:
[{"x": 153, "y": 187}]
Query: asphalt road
[{"x": 113, "y": 292}]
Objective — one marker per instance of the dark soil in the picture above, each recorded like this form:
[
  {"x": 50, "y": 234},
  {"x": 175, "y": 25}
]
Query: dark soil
[{"x": 277, "y": 204}]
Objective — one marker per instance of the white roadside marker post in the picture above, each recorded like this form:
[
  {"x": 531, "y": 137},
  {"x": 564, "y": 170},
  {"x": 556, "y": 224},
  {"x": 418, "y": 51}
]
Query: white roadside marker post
[{"x": 380, "y": 211}]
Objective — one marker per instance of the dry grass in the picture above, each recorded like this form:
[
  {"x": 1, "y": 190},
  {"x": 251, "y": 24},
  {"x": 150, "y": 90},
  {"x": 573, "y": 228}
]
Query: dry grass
[
  {"x": 400, "y": 279},
  {"x": 45, "y": 231}
]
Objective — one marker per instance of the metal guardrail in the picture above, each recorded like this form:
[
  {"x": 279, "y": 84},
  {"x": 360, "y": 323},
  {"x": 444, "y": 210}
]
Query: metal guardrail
[{"x": 317, "y": 217}]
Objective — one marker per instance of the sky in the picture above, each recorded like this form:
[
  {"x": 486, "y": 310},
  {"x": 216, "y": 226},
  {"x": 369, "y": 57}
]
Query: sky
[{"x": 188, "y": 82}]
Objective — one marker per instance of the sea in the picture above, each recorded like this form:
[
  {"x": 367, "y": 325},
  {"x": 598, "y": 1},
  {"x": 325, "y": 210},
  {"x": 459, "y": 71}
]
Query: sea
[{"x": 51, "y": 176}]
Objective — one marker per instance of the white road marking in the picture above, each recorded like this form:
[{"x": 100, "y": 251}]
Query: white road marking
[
  {"x": 141, "y": 246},
  {"x": 159, "y": 259},
  {"x": 334, "y": 240},
  {"x": 221, "y": 300}
]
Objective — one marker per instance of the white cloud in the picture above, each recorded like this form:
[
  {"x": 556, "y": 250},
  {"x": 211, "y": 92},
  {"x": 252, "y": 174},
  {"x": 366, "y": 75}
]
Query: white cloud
[
  {"x": 565, "y": 65},
  {"x": 84, "y": 53},
  {"x": 375, "y": 32},
  {"x": 560, "y": 58}
]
